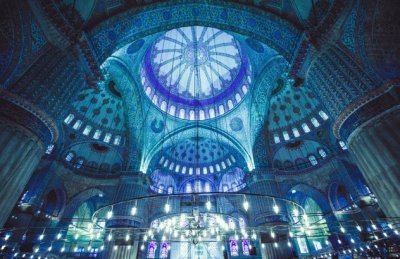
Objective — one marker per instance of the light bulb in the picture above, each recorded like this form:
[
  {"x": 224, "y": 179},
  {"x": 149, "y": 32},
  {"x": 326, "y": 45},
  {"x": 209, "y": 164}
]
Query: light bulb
[
  {"x": 339, "y": 241},
  {"x": 327, "y": 242},
  {"x": 262, "y": 245},
  {"x": 145, "y": 238},
  {"x": 62, "y": 249},
  {"x": 76, "y": 236},
  {"x": 296, "y": 212},
  {"x": 396, "y": 232},
  {"x": 163, "y": 238},
  {"x": 127, "y": 237},
  {"x": 359, "y": 228},
  {"x": 236, "y": 237},
  {"x": 133, "y": 211},
  {"x": 289, "y": 244},
  {"x": 273, "y": 234},
  {"x": 276, "y": 208},
  {"x": 275, "y": 244},
  {"x": 253, "y": 236},
  {"x": 291, "y": 234},
  {"x": 246, "y": 205},
  {"x": 352, "y": 240},
  {"x": 390, "y": 225},
  {"x": 373, "y": 226},
  {"x": 59, "y": 235},
  {"x": 41, "y": 236},
  {"x": 167, "y": 207},
  {"x": 7, "y": 236},
  {"x": 49, "y": 249},
  {"x": 384, "y": 233},
  {"x": 109, "y": 214},
  {"x": 141, "y": 247},
  {"x": 109, "y": 238},
  {"x": 208, "y": 205},
  {"x": 102, "y": 247},
  {"x": 342, "y": 229}
]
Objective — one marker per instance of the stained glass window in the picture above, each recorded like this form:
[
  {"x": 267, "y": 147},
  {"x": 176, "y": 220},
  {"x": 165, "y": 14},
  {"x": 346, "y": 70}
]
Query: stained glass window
[
  {"x": 234, "y": 248},
  {"x": 246, "y": 247},
  {"x": 151, "y": 250},
  {"x": 164, "y": 250}
]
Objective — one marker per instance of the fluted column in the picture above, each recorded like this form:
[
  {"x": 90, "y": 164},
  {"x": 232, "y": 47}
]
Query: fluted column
[
  {"x": 279, "y": 250},
  {"x": 357, "y": 102},
  {"x": 376, "y": 147},
  {"x": 20, "y": 153}
]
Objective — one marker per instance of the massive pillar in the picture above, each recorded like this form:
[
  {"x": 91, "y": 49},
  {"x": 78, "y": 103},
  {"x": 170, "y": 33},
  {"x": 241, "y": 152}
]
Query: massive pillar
[
  {"x": 263, "y": 214},
  {"x": 123, "y": 222},
  {"x": 376, "y": 147},
  {"x": 365, "y": 112},
  {"x": 20, "y": 153}
]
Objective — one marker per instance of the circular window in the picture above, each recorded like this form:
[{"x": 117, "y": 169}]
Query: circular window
[{"x": 196, "y": 73}]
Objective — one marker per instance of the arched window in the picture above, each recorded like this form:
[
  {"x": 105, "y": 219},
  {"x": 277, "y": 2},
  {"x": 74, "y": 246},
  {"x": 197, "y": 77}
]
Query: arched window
[
  {"x": 285, "y": 135},
  {"x": 79, "y": 163},
  {"x": 97, "y": 134},
  {"x": 160, "y": 188},
  {"x": 69, "y": 119},
  {"x": 342, "y": 145},
  {"x": 234, "y": 187},
  {"x": 69, "y": 156},
  {"x": 87, "y": 130},
  {"x": 242, "y": 223},
  {"x": 276, "y": 138},
  {"x": 207, "y": 187},
  {"x": 117, "y": 140},
  {"x": 49, "y": 149},
  {"x": 323, "y": 115},
  {"x": 296, "y": 132},
  {"x": 197, "y": 186},
  {"x": 315, "y": 122},
  {"x": 77, "y": 125},
  {"x": 107, "y": 137},
  {"x": 305, "y": 127},
  {"x": 170, "y": 189},
  {"x": 188, "y": 188},
  {"x": 312, "y": 160},
  {"x": 322, "y": 153}
]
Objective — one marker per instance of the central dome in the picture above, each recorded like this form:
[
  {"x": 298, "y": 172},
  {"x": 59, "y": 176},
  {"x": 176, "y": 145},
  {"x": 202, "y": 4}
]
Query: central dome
[{"x": 196, "y": 73}]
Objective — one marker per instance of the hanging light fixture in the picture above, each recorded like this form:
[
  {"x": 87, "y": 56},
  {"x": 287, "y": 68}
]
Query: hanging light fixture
[
  {"x": 134, "y": 209},
  {"x": 167, "y": 207},
  {"x": 109, "y": 213},
  {"x": 245, "y": 203},
  {"x": 275, "y": 207},
  {"x": 208, "y": 205}
]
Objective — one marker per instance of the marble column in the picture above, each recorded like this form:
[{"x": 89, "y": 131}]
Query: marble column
[
  {"x": 20, "y": 153},
  {"x": 376, "y": 147}
]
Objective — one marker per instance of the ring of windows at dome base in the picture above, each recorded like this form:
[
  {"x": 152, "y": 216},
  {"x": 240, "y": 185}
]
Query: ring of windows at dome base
[{"x": 196, "y": 73}]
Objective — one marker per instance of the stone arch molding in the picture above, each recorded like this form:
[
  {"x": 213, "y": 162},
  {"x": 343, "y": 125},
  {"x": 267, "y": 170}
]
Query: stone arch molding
[
  {"x": 196, "y": 130},
  {"x": 133, "y": 24}
]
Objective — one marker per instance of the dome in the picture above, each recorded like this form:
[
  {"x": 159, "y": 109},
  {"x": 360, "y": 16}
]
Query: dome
[
  {"x": 196, "y": 73},
  {"x": 197, "y": 155}
]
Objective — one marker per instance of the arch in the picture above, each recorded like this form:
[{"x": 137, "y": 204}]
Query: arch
[
  {"x": 77, "y": 200},
  {"x": 300, "y": 192},
  {"x": 132, "y": 25},
  {"x": 54, "y": 202},
  {"x": 200, "y": 131},
  {"x": 338, "y": 196}
]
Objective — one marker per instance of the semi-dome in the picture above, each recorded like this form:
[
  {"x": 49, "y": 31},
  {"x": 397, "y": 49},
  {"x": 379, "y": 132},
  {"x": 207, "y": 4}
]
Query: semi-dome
[{"x": 196, "y": 73}]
